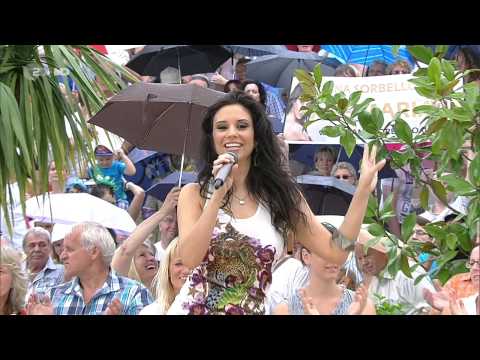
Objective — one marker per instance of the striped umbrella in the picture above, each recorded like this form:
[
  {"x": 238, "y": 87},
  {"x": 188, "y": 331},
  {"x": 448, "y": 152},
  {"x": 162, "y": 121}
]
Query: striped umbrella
[{"x": 366, "y": 54}]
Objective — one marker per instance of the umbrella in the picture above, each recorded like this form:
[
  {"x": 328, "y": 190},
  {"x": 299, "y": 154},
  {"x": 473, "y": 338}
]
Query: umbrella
[
  {"x": 137, "y": 155},
  {"x": 325, "y": 194},
  {"x": 188, "y": 59},
  {"x": 255, "y": 50},
  {"x": 161, "y": 189},
  {"x": 278, "y": 70},
  {"x": 74, "y": 208},
  {"x": 305, "y": 153},
  {"x": 160, "y": 117},
  {"x": 366, "y": 54}
]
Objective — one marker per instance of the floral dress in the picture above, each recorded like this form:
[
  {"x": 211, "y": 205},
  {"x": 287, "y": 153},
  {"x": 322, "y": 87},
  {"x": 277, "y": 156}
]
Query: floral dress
[{"x": 236, "y": 272}]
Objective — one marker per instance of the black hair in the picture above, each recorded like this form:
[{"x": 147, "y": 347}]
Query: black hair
[
  {"x": 234, "y": 81},
  {"x": 267, "y": 180},
  {"x": 261, "y": 90},
  {"x": 294, "y": 95},
  {"x": 472, "y": 61},
  {"x": 99, "y": 190}
]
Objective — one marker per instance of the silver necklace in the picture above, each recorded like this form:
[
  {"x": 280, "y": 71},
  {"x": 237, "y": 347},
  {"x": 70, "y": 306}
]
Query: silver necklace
[{"x": 240, "y": 201}]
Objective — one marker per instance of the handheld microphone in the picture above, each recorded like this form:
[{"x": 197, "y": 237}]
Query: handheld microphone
[{"x": 225, "y": 171}]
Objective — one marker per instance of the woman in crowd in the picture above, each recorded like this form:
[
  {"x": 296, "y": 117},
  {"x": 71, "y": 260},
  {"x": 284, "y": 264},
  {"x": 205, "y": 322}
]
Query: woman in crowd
[
  {"x": 13, "y": 282},
  {"x": 324, "y": 159},
  {"x": 345, "y": 171},
  {"x": 322, "y": 295},
  {"x": 168, "y": 281},
  {"x": 233, "y": 235},
  {"x": 135, "y": 257}
]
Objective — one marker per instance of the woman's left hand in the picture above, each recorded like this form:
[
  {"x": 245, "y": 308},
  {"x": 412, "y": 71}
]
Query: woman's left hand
[{"x": 369, "y": 169}]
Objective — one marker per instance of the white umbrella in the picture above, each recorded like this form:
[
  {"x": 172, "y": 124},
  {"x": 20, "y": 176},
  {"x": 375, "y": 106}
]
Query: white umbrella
[{"x": 74, "y": 208}]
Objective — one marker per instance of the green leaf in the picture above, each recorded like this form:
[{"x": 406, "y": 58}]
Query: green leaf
[
  {"x": 371, "y": 242},
  {"x": 452, "y": 241},
  {"x": 474, "y": 171},
  {"x": 424, "y": 194},
  {"x": 387, "y": 205},
  {"x": 354, "y": 97},
  {"x": 342, "y": 105},
  {"x": 434, "y": 70},
  {"x": 439, "y": 190},
  {"x": 377, "y": 117},
  {"x": 376, "y": 230},
  {"x": 361, "y": 107},
  {"x": 425, "y": 109},
  {"x": 404, "y": 265},
  {"x": 332, "y": 131},
  {"x": 448, "y": 70},
  {"x": 348, "y": 142},
  {"x": 327, "y": 88},
  {"x": 436, "y": 125},
  {"x": 317, "y": 74},
  {"x": 304, "y": 77},
  {"x": 419, "y": 278},
  {"x": 408, "y": 225},
  {"x": 459, "y": 186},
  {"x": 395, "y": 49},
  {"x": 427, "y": 92},
  {"x": 421, "y": 52},
  {"x": 403, "y": 130},
  {"x": 367, "y": 123}
]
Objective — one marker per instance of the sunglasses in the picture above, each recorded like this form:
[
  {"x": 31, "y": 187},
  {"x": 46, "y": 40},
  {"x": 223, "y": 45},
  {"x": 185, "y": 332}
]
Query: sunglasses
[{"x": 344, "y": 177}]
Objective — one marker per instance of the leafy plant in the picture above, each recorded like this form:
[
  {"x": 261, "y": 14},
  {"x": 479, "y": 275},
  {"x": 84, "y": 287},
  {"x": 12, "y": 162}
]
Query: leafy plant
[
  {"x": 37, "y": 111},
  {"x": 451, "y": 128},
  {"x": 385, "y": 307}
]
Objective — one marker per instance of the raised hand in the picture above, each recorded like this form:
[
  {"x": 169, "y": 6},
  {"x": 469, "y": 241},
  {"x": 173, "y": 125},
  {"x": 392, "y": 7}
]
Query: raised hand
[
  {"x": 171, "y": 200},
  {"x": 308, "y": 305},
  {"x": 439, "y": 299},
  {"x": 39, "y": 305},
  {"x": 369, "y": 169},
  {"x": 114, "y": 308},
  {"x": 360, "y": 300},
  {"x": 457, "y": 307}
]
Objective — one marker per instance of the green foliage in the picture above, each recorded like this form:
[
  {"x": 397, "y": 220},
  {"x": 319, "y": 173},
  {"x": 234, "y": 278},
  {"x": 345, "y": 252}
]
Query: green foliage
[
  {"x": 451, "y": 122},
  {"x": 385, "y": 307}
]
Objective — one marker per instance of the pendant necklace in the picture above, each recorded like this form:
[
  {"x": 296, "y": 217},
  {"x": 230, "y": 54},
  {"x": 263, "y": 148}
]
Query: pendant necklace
[{"x": 240, "y": 201}]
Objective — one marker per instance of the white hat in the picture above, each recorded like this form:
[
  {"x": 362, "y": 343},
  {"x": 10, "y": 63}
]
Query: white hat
[{"x": 59, "y": 231}]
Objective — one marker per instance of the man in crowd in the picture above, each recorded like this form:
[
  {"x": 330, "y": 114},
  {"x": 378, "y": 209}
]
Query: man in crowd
[
  {"x": 43, "y": 273},
  {"x": 398, "y": 289},
  {"x": 94, "y": 288}
]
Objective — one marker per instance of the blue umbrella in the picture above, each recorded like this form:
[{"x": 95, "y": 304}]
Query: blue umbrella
[
  {"x": 161, "y": 189},
  {"x": 137, "y": 154},
  {"x": 305, "y": 153},
  {"x": 366, "y": 54}
]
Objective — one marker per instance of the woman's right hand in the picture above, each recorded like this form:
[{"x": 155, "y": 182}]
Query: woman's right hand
[{"x": 222, "y": 160}]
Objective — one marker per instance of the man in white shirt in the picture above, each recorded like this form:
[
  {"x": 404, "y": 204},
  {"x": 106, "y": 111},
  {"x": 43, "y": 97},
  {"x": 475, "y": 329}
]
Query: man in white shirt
[{"x": 398, "y": 289}]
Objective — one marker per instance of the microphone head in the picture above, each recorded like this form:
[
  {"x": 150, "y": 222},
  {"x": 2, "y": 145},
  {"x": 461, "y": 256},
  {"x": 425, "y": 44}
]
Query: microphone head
[{"x": 234, "y": 155}]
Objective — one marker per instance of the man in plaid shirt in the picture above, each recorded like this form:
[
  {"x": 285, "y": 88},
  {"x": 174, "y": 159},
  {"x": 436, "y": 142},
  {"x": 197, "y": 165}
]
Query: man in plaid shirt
[{"x": 95, "y": 288}]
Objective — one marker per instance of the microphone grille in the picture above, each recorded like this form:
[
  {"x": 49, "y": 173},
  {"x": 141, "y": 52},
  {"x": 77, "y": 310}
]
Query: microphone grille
[{"x": 234, "y": 155}]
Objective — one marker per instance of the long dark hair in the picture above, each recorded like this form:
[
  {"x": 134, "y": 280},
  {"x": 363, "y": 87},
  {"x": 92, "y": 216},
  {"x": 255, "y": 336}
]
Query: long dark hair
[{"x": 266, "y": 181}]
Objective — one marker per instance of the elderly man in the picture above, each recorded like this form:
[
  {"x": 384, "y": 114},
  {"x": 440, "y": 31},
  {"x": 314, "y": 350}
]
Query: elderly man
[
  {"x": 43, "y": 272},
  {"x": 464, "y": 285},
  {"x": 95, "y": 288},
  {"x": 200, "y": 80},
  {"x": 398, "y": 289}
]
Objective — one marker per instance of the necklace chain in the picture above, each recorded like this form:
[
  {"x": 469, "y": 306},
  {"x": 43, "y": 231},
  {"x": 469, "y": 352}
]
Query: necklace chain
[{"x": 240, "y": 200}]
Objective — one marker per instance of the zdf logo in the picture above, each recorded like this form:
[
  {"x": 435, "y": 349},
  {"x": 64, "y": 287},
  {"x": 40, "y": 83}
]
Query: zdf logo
[{"x": 34, "y": 71}]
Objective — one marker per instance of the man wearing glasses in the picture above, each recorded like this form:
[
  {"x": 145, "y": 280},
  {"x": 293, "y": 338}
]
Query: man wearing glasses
[{"x": 465, "y": 285}]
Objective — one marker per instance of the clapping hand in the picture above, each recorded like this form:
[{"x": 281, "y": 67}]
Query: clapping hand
[
  {"x": 114, "y": 308},
  {"x": 308, "y": 305},
  {"x": 360, "y": 300},
  {"x": 369, "y": 169},
  {"x": 439, "y": 299},
  {"x": 39, "y": 305}
]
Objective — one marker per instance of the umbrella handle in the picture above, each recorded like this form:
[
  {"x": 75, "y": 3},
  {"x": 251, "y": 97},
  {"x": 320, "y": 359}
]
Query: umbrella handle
[{"x": 181, "y": 169}]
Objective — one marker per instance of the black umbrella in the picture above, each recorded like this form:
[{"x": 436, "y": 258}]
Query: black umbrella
[
  {"x": 255, "y": 50},
  {"x": 326, "y": 195},
  {"x": 278, "y": 70},
  {"x": 188, "y": 59}
]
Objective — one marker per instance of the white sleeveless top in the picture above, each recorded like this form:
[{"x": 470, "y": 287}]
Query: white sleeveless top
[{"x": 237, "y": 269}]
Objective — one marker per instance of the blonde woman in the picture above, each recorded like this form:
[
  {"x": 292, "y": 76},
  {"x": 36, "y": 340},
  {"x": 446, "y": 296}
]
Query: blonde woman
[
  {"x": 135, "y": 257},
  {"x": 13, "y": 282},
  {"x": 168, "y": 281}
]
